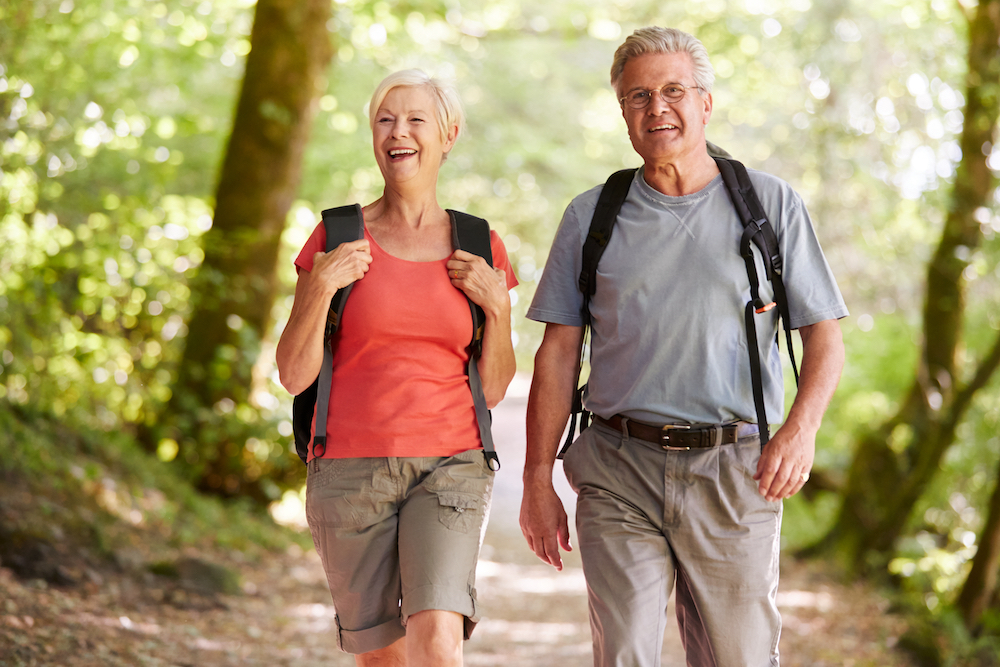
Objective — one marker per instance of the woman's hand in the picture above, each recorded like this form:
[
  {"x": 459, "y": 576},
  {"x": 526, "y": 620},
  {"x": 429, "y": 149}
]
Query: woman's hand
[
  {"x": 300, "y": 348},
  {"x": 341, "y": 266},
  {"x": 485, "y": 286}
]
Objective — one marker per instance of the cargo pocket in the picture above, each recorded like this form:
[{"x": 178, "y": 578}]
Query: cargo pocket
[
  {"x": 458, "y": 511},
  {"x": 337, "y": 492}
]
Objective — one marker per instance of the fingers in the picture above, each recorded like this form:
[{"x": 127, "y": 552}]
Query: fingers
[
  {"x": 344, "y": 264},
  {"x": 564, "y": 538},
  {"x": 483, "y": 284},
  {"x": 779, "y": 478},
  {"x": 545, "y": 527}
]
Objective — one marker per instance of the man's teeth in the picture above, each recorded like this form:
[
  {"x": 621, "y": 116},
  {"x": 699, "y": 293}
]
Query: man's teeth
[
  {"x": 402, "y": 151},
  {"x": 663, "y": 127}
]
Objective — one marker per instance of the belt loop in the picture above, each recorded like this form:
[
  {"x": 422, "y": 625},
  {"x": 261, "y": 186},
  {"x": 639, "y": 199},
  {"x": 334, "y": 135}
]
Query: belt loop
[
  {"x": 624, "y": 428},
  {"x": 718, "y": 436}
]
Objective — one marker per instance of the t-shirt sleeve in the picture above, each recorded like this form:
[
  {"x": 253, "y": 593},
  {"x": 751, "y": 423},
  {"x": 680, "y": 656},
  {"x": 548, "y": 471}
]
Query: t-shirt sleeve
[
  {"x": 558, "y": 299},
  {"x": 813, "y": 294},
  {"x": 316, "y": 243},
  {"x": 501, "y": 260}
]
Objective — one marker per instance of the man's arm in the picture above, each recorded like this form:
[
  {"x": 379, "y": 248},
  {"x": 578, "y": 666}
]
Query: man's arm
[
  {"x": 789, "y": 454},
  {"x": 543, "y": 519}
]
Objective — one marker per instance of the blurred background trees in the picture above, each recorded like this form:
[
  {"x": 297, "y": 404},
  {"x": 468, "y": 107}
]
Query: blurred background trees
[
  {"x": 234, "y": 290},
  {"x": 147, "y": 230}
]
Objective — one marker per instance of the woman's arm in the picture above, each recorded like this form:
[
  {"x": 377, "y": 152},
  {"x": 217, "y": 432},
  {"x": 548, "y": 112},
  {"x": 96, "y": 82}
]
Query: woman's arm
[
  {"x": 487, "y": 288},
  {"x": 300, "y": 348}
]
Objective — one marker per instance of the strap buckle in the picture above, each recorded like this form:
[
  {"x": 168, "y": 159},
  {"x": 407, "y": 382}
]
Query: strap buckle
[{"x": 665, "y": 436}]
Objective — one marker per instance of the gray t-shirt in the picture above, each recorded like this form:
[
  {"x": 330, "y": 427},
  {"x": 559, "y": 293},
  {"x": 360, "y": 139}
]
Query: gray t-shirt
[{"x": 669, "y": 339}]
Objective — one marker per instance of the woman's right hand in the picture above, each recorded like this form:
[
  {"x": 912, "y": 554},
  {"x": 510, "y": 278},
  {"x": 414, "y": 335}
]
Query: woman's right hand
[{"x": 341, "y": 266}]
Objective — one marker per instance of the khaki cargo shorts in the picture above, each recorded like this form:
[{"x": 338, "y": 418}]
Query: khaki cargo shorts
[{"x": 398, "y": 536}]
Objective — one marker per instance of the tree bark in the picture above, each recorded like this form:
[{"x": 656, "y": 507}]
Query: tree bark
[
  {"x": 894, "y": 463},
  {"x": 235, "y": 288},
  {"x": 981, "y": 583}
]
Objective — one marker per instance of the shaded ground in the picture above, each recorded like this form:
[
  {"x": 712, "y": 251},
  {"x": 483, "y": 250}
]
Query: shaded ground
[
  {"x": 126, "y": 615},
  {"x": 533, "y": 616}
]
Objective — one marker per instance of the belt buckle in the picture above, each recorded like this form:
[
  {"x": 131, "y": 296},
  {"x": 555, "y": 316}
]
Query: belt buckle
[{"x": 665, "y": 436}]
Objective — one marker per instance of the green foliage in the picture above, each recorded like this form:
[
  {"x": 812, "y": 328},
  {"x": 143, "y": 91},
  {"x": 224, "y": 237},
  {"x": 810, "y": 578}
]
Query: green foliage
[
  {"x": 103, "y": 484},
  {"x": 114, "y": 116},
  {"x": 940, "y": 639}
]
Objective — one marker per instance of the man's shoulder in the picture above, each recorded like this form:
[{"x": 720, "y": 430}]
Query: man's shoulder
[
  {"x": 587, "y": 200},
  {"x": 768, "y": 184},
  {"x": 584, "y": 204}
]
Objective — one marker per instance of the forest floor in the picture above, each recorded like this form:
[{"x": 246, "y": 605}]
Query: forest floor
[
  {"x": 533, "y": 616},
  {"x": 117, "y": 612}
]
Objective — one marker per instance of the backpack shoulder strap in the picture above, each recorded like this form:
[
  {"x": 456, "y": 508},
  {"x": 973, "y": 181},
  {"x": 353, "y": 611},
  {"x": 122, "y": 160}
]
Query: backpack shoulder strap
[
  {"x": 751, "y": 212},
  {"x": 757, "y": 230},
  {"x": 472, "y": 234},
  {"x": 343, "y": 225},
  {"x": 602, "y": 224}
]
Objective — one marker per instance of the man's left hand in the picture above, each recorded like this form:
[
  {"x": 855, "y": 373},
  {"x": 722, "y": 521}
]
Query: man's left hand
[
  {"x": 788, "y": 457},
  {"x": 785, "y": 463}
]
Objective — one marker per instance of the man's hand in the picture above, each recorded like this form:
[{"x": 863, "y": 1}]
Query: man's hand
[
  {"x": 543, "y": 519},
  {"x": 544, "y": 522},
  {"x": 785, "y": 463},
  {"x": 788, "y": 457}
]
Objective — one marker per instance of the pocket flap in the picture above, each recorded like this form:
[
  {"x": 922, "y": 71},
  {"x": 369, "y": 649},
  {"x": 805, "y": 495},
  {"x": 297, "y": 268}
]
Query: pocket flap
[{"x": 459, "y": 501}]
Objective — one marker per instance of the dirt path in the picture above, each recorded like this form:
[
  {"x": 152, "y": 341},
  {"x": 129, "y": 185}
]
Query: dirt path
[{"x": 532, "y": 614}]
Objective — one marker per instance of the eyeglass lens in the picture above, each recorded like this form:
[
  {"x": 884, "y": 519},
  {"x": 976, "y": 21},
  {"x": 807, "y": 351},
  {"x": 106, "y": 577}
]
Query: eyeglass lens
[{"x": 670, "y": 93}]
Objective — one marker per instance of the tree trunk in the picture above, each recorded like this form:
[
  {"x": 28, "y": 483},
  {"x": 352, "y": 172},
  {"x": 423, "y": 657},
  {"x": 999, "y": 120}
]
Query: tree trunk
[
  {"x": 895, "y": 463},
  {"x": 981, "y": 583},
  {"x": 235, "y": 288}
]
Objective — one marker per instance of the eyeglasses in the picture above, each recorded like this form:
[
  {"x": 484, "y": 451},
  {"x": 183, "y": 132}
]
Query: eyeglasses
[{"x": 670, "y": 93}]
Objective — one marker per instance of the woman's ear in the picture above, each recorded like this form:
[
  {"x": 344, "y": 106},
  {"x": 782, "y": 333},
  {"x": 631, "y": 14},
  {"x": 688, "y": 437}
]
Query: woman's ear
[{"x": 450, "y": 140}]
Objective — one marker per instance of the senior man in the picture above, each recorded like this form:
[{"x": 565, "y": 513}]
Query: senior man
[{"x": 669, "y": 351}]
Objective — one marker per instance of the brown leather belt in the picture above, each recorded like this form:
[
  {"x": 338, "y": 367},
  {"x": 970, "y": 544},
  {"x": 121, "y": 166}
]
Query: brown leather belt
[{"x": 680, "y": 437}]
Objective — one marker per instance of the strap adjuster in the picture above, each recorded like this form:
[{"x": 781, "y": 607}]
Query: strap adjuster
[{"x": 319, "y": 446}]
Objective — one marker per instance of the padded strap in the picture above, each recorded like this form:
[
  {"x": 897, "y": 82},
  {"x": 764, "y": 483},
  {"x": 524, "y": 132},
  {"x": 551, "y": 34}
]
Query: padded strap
[
  {"x": 767, "y": 241},
  {"x": 602, "y": 224},
  {"x": 472, "y": 234},
  {"x": 343, "y": 225},
  {"x": 758, "y": 231}
]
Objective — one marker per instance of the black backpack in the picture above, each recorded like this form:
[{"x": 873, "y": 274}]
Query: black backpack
[
  {"x": 344, "y": 224},
  {"x": 756, "y": 230}
]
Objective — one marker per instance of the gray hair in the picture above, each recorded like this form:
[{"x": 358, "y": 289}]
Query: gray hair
[
  {"x": 663, "y": 40},
  {"x": 447, "y": 105}
]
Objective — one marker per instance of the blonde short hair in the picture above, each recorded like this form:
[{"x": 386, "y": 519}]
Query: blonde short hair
[
  {"x": 447, "y": 105},
  {"x": 663, "y": 40}
]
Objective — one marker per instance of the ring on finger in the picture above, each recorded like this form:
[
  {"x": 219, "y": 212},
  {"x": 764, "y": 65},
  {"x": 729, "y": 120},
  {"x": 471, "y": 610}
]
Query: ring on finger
[{"x": 805, "y": 477}]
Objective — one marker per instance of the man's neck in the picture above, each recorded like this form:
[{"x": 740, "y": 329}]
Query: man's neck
[{"x": 684, "y": 176}]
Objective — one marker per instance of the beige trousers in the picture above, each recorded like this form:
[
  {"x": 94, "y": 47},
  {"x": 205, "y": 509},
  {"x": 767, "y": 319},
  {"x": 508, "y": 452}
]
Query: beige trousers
[{"x": 649, "y": 521}]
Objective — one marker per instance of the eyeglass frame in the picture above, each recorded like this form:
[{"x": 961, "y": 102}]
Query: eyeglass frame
[{"x": 659, "y": 91}]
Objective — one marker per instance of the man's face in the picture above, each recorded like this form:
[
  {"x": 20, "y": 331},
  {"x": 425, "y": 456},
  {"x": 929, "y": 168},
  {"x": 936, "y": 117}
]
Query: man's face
[{"x": 665, "y": 131}]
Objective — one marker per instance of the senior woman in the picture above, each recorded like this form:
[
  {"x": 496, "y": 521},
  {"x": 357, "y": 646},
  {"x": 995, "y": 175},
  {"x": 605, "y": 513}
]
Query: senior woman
[{"x": 398, "y": 550}]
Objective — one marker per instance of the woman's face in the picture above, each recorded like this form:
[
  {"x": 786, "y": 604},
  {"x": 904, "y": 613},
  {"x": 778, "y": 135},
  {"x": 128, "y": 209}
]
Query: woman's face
[{"x": 406, "y": 135}]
